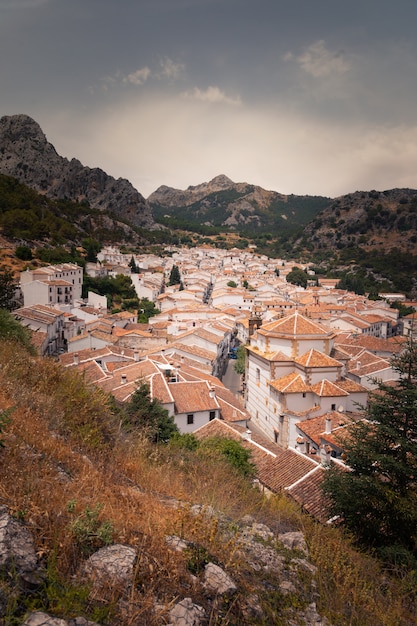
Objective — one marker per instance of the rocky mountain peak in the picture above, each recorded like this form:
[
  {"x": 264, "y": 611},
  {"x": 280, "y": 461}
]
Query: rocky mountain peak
[{"x": 26, "y": 154}]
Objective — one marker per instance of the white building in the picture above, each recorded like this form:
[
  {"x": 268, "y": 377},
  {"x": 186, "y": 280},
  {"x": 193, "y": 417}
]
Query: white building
[
  {"x": 291, "y": 376},
  {"x": 52, "y": 285}
]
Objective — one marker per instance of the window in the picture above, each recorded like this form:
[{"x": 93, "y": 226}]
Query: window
[
  {"x": 258, "y": 375},
  {"x": 333, "y": 407},
  {"x": 212, "y": 415},
  {"x": 190, "y": 418}
]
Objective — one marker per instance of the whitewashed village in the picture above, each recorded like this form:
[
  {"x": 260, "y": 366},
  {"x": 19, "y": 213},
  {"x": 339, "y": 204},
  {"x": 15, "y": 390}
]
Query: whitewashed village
[{"x": 312, "y": 354}]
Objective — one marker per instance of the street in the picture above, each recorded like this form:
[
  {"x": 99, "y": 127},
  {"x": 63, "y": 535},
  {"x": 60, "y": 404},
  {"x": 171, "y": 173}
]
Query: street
[{"x": 231, "y": 379}]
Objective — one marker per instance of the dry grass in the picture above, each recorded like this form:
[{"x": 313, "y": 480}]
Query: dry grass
[{"x": 62, "y": 446}]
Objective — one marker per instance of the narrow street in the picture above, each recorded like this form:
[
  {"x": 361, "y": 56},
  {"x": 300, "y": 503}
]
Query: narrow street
[{"x": 231, "y": 379}]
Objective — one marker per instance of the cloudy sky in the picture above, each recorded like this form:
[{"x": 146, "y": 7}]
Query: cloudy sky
[{"x": 298, "y": 96}]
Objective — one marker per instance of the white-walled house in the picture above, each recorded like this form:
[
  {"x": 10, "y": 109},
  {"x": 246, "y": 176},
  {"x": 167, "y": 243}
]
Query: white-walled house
[
  {"x": 51, "y": 285},
  {"x": 291, "y": 376},
  {"x": 48, "y": 322}
]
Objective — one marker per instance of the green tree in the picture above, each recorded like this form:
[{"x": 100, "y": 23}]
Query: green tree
[
  {"x": 92, "y": 248},
  {"x": 10, "y": 329},
  {"x": 149, "y": 415},
  {"x": 377, "y": 498},
  {"x": 297, "y": 276},
  {"x": 7, "y": 289},
  {"x": 175, "y": 276},
  {"x": 232, "y": 451},
  {"x": 24, "y": 253},
  {"x": 231, "y": 283},
  {"x": 133, "y": 266}
]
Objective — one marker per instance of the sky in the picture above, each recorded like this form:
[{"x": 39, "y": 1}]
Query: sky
[{"x": 313, "y": 97}]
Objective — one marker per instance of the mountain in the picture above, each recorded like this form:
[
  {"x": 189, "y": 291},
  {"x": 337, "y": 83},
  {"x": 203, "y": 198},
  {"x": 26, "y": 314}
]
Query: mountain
[
  {"x": 372, "y": 220},
  {"x": 26, "y": 155},
  {"x": 223, "y": 203}
]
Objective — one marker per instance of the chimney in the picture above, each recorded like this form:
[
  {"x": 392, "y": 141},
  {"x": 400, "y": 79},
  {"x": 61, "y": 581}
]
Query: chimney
[
  {"x": 358, "y": 365},
  {"x": 136, "y": 355},
  {"x": 328, "y": 426},
  {"x": 76, "y": 360},
  {"x": 124, "y": 379},
  {"x": 212, "y": 392},
  {"x": 247, "y": 435}
]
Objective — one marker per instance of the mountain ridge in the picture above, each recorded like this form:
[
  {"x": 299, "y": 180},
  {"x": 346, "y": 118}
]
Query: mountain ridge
[{"x": 27, "y": 155}]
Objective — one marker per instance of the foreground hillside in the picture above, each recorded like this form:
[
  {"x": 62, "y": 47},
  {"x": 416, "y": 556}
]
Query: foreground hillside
[{"x": 78, "y": 481}]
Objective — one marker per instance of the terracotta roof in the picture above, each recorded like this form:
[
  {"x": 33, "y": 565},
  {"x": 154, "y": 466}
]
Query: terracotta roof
[
  {"x": 325, "y": 388},
  {"x": 315, "y": 427},
  {"x": 191, "y": 397},
  {"x": 283, "y": 470},
  {"x": 308, "y": 492},
  {"x": 293, "y": 325},
  {"x": 291, "y": 383},
  {"x": 314, "y": 358},
  {"x": 195, "y": 350},
  {"x": 351, "y": 386}
]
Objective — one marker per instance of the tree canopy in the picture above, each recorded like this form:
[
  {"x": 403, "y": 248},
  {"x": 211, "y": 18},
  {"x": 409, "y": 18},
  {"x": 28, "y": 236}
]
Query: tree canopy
[
  {"x": 297, "y": 276},
  {"x": 175, "y": 276},
  {"x": 149, "y": 415},
  {"x": 377, "y": 498}
]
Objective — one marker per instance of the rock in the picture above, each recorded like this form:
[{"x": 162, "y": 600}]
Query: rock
[
  {"x": 38, "y": 618},
  {"x": 176, "y": 543},
  {"x": 111, "y": 565},
  {"x": 186, "y": 613},
  {"x": 28, "y": 156},
  {"x": 216, "y": 580},
  {"x": 17, "y": 550},
  {"x": 294, "y": 541}
]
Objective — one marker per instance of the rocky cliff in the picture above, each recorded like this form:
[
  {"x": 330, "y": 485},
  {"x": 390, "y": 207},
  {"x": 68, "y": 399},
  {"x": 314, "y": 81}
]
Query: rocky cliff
[
  {"x": 26, "y": 155},
  {"x": 222, "y": 202}
]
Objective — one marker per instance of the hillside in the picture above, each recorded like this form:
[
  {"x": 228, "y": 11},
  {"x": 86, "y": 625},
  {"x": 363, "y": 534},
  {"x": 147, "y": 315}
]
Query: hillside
[
  {"x": 374, "y": 220},
  {"x": 26, "y": 155},
  {"x": 240, "y": 207},
  {"x": 78, "y": 481}
]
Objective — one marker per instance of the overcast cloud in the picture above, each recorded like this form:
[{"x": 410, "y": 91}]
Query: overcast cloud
[{"x": 304, "y": 97}]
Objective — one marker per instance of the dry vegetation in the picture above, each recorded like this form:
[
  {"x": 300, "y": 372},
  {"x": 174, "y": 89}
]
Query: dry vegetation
[{"x": 66, "y": 462}]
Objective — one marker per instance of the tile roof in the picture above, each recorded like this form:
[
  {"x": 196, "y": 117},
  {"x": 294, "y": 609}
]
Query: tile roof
[
  {"x": 194, "y": 350},
  {"x": 293, "y": 325},
  {"x": 308, "y": 492},
  {"x": 314, "y": 358},
  {"x": 315, "y": 427},
  {"x": 191, "y": 397},
  {"x": 325, "y": 388},
  {"x": 291, "y": 383}
]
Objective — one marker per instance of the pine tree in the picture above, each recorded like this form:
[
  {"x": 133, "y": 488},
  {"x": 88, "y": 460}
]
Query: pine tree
[
  {"x": 150, "y": 416},
  {"x": 175, "y": 276},
  {"x": 377, "y": 499}
]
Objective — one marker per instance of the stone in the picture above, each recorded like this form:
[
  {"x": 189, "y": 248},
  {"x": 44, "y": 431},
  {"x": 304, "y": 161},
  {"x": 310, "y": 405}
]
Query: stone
[
  {"x": 111, "y": 565},
  {"x": 186, "y": 613},
  {"x": 17, "y": 550},
  {"x": 216, "y": 580},
  {"x": 38, "y": 618},
  {"x": 294, "y": 541}
]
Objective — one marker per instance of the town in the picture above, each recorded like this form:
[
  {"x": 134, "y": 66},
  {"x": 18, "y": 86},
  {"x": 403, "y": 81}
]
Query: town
[{"x": 311, "y": 354}]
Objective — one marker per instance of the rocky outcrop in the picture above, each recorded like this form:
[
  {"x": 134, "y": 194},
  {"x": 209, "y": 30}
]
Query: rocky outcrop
[
  {"x": 17, "y": 551},
  {"x": 276, "y": 564},
  {"x": 222, "y": 202},
  {"x": 26, "y": 155}
]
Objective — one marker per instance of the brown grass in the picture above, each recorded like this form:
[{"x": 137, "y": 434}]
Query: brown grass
[{"x": 62, "y": 446}]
